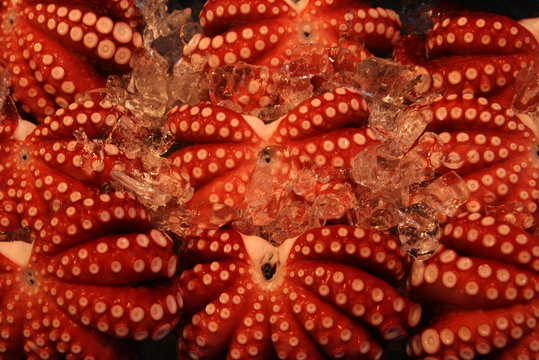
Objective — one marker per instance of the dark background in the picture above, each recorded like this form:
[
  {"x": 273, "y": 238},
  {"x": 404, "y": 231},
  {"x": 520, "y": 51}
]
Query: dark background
[{"x": 408, "y": 9}]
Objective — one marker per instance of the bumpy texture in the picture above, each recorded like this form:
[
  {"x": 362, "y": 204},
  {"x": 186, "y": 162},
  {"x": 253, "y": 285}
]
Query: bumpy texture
[
  {"x": 81, "y": 268},
  {"x": 274, "y": 33},
  {"x": 317, "y": 296},
  {"x": 481, "y": 287},
  {"x": 472, "y": 52},
  {"x": 55, "y": 50}
]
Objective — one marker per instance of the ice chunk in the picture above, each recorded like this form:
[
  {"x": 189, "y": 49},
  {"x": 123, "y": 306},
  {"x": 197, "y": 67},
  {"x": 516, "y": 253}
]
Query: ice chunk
[
  {"x": 334, "y": 204},
  {"x": 398, "y": 191},
  {"x": 445, "y": 194},
  {"x": 418, "y": 165},
  {"x": 305, "y": 182},
  {"x": 234, "y": 86},
  {"x": 268, "y": 186},
  {"x": 526, "y": 99},
  {"x": 149, "y": 195},
  {"x": 153, "y": 87},
  {"x": 163, "y": 193},
  {"x": 188, "y": 84},
  {"x": 419, "y": 231},
  {"x": 295, "y": 218},
  {"x": 92, "y": 158},
  {"x": 160, "y": 23},
  {"x": 372, "y": 167},
  {"x": 527, "y": 91},
  {"x": 281, "y": 202},
  {"x": 409, "y": 125},
  {"x": 389, "y": 88},
  {"x": 385, "y": 81},
  {"x": 376, "y": 209}
]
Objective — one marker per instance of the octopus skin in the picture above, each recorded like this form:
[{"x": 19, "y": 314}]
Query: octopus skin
[
  {"x": 316, "y": 296},
  {"x": 267, "y": 35},
  {"x": 482, "y": 283},
  {"x": 486, "y": 280},
  {"x": 475, "y": 53},
  {"x": 82, "y": 271},
  {"x": 55, "y": 50},
  {"x": 491, "y": 148}
]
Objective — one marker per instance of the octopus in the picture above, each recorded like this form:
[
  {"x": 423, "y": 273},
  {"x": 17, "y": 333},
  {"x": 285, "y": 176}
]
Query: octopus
[
  {"x": 56, "y": 50},
  {"x": 83, "y": 273}
]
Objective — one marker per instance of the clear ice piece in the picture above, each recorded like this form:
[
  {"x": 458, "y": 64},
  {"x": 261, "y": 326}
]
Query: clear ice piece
[
  {"x": 418, "y": 164},
  {"x": 154, "y": 193},
  {"x": 334, "y": 204},
  {"x": 159, "y": 21},
  {"x": 409, "y": 125},
  {"x": 387, "y": 87},
  {"x": 527, "y": 91},
  {"x": 445, "y": 194},
  {"x": 419, "y": 230},
  {"x": 188, "y": 84},
  {"x": 233, "y": 86},
  {"x": 148, "y": 194},
  {"x": 372, "y": 167},
  {"x": 304, "y": 183}
]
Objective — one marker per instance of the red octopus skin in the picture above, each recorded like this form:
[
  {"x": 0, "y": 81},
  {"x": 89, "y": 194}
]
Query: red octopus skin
[
  {"x": 219, "y": 169},
  {"x": 55, "y": 50},
  {"x": 487, "y": 279},
  {"x": 326, "y": 286},
  {"x": 273, "y": 33},
  {"x": 472, "y": 52},
  {"x": 481, "y": 287},
  {"x": 76, "y": 262},
  {"x": 488, "y": 145}
]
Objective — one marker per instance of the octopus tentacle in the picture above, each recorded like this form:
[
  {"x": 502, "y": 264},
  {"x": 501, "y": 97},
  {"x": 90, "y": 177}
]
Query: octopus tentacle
[
  {"x": 466, "y": 334},
  {"x": 45, "y": 47},
  {"x": 476, "y": 33},
  {"x": 270, "y": 36},
  {"x": 494, "y": 239},
  {"x": 329, "y": 111},
  {"x": 470, "y": 53},
  {"x": 472, "y": 282}
]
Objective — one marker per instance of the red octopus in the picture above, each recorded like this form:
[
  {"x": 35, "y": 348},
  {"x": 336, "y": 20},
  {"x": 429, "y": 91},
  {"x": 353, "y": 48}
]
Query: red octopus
[
  {"x": 311, "y": 135},
  {"x": 269, "y": 35},
  {"x": 81, "y": 268},
  {"x": 482, "y": 284},
  {"x": 316, "y": 296},
  {"x": 57, "y": 49}
]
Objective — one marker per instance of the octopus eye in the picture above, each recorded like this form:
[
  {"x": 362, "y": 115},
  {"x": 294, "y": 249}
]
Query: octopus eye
[
  {"x": 30, "y": 279},
  {"x": 266, "y": 155}
]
